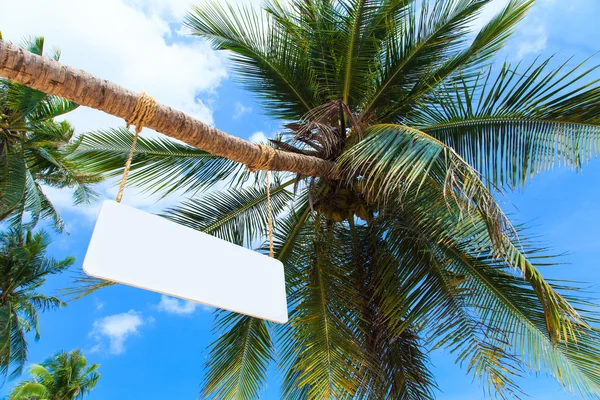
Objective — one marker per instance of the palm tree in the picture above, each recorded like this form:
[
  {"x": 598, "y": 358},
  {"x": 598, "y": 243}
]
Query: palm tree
[
  {"x": 399, "y": 131},
  {"x": 34, "y": 150},
  {"x": 64, "y": 376},
  {"x": 24, "y": 267}
]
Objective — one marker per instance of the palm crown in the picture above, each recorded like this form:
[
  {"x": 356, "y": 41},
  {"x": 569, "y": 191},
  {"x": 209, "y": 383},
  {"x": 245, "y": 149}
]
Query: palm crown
[
  {"x": 34, "y": 150},
  {"x": 64, "y": 376},
  {"x": 407, "y": 250},
  {"x": 24, "y": 268}
]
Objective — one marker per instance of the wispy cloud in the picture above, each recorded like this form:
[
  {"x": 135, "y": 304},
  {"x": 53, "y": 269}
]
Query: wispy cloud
[
  {"x": 258, "y": 137},
  {"x": 99, "y": 305},
  {"x": 533, "y": 41},
  {"x": 240, "y": 110},
  {"x": 116, "y": 329},
  {"x": 171, "y": 305}
]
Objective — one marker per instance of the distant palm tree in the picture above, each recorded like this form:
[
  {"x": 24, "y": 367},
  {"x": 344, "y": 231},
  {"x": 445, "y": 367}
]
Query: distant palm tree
[
  {"x": 24, "y": 267},
  {"x": 405, "y": 249},
  {"x": 34, "y": 150},
  {"x": 64, "y": 376}
]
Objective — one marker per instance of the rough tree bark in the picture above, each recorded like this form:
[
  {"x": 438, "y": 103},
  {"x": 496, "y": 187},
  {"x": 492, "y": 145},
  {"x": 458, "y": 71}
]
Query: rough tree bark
[{"x": 52, "y": 77}]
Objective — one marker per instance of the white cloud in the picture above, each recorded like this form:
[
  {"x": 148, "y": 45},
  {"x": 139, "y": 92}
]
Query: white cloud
[
  {"x": 532, "y": 36},
  {"x": 175, "y": 306},
  {"x": 533, "y": 41},
  {"x": 258, "y": 137},
  {"x": 132, "y": 43},
  {"x": 240, "y": 110},
  {"x": 116, "y": 329}
]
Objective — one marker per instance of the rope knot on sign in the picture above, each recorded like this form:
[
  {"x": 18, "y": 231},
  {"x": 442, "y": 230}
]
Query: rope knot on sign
[
  {"x": 144, "y": 111},
  {"x": 267, "y": 153}
]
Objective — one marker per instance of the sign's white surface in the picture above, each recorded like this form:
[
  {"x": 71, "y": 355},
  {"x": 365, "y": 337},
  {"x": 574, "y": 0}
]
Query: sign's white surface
[{"x": 139, "y": 249}]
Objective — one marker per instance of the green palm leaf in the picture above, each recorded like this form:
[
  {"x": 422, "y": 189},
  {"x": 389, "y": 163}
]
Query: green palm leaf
[
  {"x": 487, "y": 314},
  {"x": 397, "y": 364},
  {"x": 28, "y": 390},
  {"x": 431, "y": 48},
  {"x": 236, "y": 215},
  {"x": 239, "y": 358},
  {"x": 12, "y": 184},
  {"x": 321, "y": 353},
  {"x": 514, "y": 123},
  {"x": 491, "y": 38},
  {"x": 395, "y": 158},
  {"x": 52, "y": 107},
  {"x": 158, "y": 164},
  {"x": 268, "y": 62}
]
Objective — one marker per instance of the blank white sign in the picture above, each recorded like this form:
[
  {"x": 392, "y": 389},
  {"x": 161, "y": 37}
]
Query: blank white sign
[{"x": 139, "y": 249}]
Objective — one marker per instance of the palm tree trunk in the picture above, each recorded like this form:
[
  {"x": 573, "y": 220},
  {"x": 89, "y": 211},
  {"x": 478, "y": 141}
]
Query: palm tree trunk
[{"x": 51, "y": 77}]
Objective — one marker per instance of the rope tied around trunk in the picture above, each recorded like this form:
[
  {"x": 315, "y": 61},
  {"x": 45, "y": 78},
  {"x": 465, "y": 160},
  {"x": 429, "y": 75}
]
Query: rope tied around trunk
[
  {"x": 144, "y": 110},
  {"x": 267, "y": 153}
]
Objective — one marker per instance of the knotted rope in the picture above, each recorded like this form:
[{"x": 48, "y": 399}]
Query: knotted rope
[
  {"x": 267, "y": 153},
  {"x": 144, "y": 110}
]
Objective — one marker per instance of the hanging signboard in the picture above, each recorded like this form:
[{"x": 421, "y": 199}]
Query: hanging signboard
[{"x": 146, "y": 251}]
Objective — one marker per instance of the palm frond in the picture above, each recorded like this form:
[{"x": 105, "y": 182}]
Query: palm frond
[
  {"x": 12, "y": 183},
  {"x": 64, "y": 375},
  {"x": 432, "y": 31},
  {"x": 497, "y": 321},
  {"x": 398, "y": 365},
  {"x": 38, "y": 205},
  {"x": 28, "y": 390},
  {"x": 402, "y": 370},
  {"x": 84, "y": 285},
  {"x": 393, "y": 159},
  {"x": 567, "y": 356},
  {"x": 238, "y": 359},
  {"x": 21, "y": 99},
  {"x": 291, "y": 233},
  {"x": 51, "y": 107},
  {"x": 513, "y": 123},
  {"x": 320, "y": 352},
  {"x": 159, "y": 165},
  {"x": 456, "y": 58},
  {"x": 17, "y": 349},
  {"x": 266, "y": 58},
  {"x": 364, "y": 28},
  {"x": 236, "y": 215},
  {"x": 24, "y": 267},
  {"x": 490, "y": 38}
]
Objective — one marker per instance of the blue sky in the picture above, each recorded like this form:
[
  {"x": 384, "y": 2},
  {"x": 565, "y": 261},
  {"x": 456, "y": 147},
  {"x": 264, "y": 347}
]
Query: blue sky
[{"x": 153, "y": 347}]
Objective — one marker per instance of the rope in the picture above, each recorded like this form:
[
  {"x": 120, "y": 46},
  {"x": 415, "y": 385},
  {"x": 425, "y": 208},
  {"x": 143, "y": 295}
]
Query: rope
[
  {"x": 144, "y": 110},
  {"x": 267, "y": 153}
]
